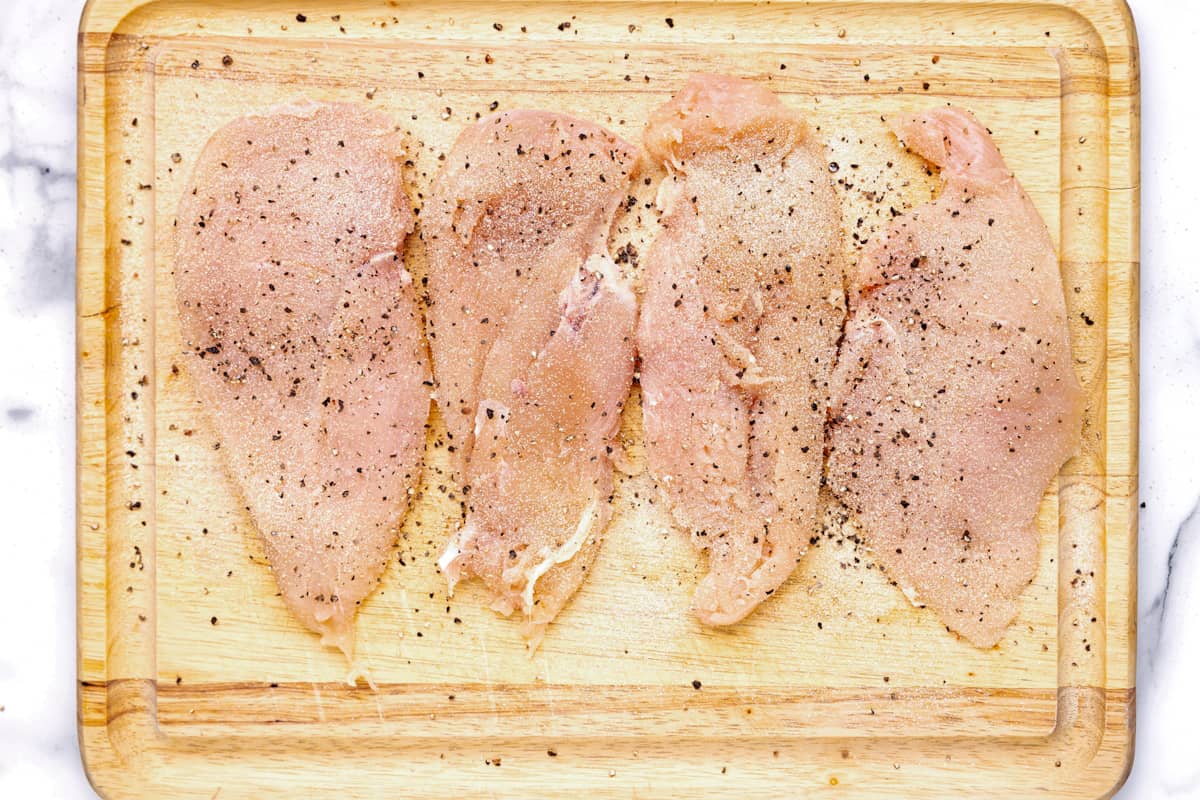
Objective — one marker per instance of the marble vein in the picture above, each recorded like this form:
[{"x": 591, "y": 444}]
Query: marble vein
[{"x": 1159, "y": 607}]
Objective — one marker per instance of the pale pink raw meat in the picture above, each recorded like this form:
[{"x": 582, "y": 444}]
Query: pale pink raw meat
[
  {"x": 531, "y": 328},
  {"x": 306, "y": 343},
  {"x": 955, "y": 398},
  {"x": 743, "y": 306}
]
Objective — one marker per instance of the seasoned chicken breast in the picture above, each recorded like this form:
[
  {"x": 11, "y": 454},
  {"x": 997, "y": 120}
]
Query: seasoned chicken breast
[
  {"x": 531, "y": 327},
  {"x": 306, "y": 344},
  {"x": 743, "y": 306},
  {"x": 955, "y": 399}
]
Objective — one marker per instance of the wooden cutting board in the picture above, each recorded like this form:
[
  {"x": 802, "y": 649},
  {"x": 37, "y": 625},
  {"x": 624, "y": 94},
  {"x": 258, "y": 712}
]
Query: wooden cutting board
[{"x": 196, "y": 682}]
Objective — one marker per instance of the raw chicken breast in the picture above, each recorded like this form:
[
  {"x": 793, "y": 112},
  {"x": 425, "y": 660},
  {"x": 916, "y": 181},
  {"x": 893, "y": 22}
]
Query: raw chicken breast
[
  {"x": 308, "y": 354},
  {"x": 532, "y": 329},
  {"x": 743, "y": 306},
  {"x": 955, "y": 399}
]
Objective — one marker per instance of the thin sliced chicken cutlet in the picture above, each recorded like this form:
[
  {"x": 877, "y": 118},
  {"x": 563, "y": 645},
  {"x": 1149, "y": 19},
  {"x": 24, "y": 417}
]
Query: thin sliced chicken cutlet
[
  {"x": 955, "y": 398},
  {"x": 531, "y": 328},
  {"x": 306, "y": 343},
  {"x": 743, "y": 306}
]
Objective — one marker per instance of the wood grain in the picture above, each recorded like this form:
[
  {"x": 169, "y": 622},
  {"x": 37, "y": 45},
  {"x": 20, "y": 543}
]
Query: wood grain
[{"x": 196, "y": 682}]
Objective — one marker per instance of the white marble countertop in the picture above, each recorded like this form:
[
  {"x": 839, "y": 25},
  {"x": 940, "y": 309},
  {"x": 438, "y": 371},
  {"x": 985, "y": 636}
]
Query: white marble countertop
[{"x": 38, "y": 752}]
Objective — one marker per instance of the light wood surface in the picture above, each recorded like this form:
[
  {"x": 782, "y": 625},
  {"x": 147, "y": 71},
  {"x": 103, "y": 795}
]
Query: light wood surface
[{"x": 196, "y": 682}]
